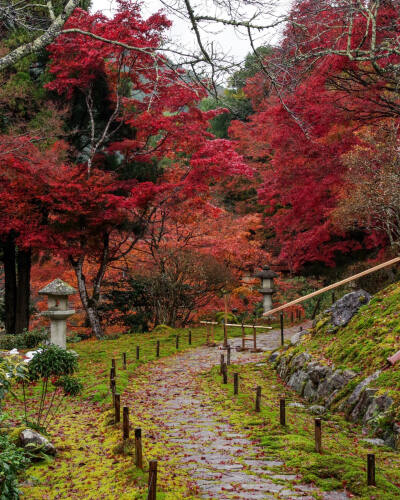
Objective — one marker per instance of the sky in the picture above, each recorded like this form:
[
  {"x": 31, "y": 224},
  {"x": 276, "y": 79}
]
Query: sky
[{"x": 226, "y": 39}]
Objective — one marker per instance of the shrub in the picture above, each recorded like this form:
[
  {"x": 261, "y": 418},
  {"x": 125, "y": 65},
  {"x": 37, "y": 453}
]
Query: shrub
[
  {"x": 27, "y": 340},
  {"x": 12, "y": 461},
  {"x": 52, "y": 366},
  {"x": 52, "y": 361}
]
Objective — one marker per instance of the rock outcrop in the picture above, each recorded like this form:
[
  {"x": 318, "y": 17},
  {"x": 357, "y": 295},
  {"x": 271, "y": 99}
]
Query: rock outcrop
[
  {"x": 345, "y": 308},
  {"x": 330, "y": 388}
]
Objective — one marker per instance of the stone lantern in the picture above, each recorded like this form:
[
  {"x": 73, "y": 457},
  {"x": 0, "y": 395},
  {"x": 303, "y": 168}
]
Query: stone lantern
[
  {"x": 267, "y": 286},
  {"x": 57, "y": 296}
]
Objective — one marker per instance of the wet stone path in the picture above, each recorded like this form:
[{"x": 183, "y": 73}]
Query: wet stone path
[{"x": 222, "y": 463}]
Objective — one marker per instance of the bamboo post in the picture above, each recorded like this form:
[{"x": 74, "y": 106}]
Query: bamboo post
[
  {"x": 152, "y": 480},
  {"x": 190, "y": 337},
  {"x": 137, "y": 352},
  {"x": 282, "y": 411},
  {"x": 158, "y": 349},
  {"x": 282, "y": 334},
  {"x": 371, "y": 469},
  {"x": 222, "y": 362},
  {"x": 125, "y": 423},
  {"x": 258, "y": 399},
  {"x": 124, "y": 360},
  {"x": 117, "y": 408},
  {"x": 318, "y": 435},
  {"x": 138, "y": 448},
  {"x": 236, "y": 383},
  {"x": 228, "y": 355}
]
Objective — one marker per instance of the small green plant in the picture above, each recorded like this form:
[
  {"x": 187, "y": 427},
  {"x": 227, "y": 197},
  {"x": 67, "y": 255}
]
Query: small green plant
[
  {"x": 53, "y": 368},
  {"x": 12, "y": 461}
]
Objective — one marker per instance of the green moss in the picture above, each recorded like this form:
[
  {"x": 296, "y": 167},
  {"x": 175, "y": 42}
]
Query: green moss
[
  {"x": 343, "y": 461},
  {"x": 364, "y": 345}
]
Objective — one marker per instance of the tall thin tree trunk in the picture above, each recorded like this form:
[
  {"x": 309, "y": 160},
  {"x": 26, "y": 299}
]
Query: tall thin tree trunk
[
  {"x": 10, "y": 288},
  {"x": 24, "y": 262},
  {"x": 88, "y": 303}
]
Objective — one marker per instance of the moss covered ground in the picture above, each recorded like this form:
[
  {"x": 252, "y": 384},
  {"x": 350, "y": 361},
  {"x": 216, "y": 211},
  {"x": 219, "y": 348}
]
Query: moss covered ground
[
  {"x": 342, "y": 464},
  {"x": 365, "y": 343},
  {"x": 90, "y": 464}
]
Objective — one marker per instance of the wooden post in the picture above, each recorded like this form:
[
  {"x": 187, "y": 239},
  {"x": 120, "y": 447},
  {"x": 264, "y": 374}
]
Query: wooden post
[
  {"x": 212, "y": 334},
  {"x": 112, "y": 383},
  {"x": 235, "y": 383},
  {"x": 243, "y": 338},
  {"x": 371, "y": 469},
  {"x": 225, "y": 336},
  {"x": 282, "y": 411},
  {"x": 177, "y": 342},
  {"x": 137, "y": 352},
  {"x": 318, "y": 435},
  {"x": 282, "y": 334},
  {"x": 138, "y": 449},
  {"x": 113, "y": 365},
  {"x": 291, "y": 317},
  {"x": 224, "y": 373},
  {"x": 333, "y": 298},
  {"x": 152, "y": 480},
  {"x": 125, "y": 423},
  {"x": 228, "y": 355},
  {"x": 113, "y": 389},
  {"x": 117, "y": 408},
  {"x": 208, "y": 334},
  {"x": 158, "y": 349},
  {"x": 190, "y": 337},
  {"x": 112, "y": 376},
  {"x": 124, "y": 360},
  {"x": 222, "y": 362},
  {"x": 254, "y": 339},
  {"x": 258, "y": 399}
]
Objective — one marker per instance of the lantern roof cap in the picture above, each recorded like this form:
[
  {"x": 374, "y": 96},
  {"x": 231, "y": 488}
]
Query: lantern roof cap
[
  {"x": 266, "y": 273},
  {"x": 57, "y": 287}
]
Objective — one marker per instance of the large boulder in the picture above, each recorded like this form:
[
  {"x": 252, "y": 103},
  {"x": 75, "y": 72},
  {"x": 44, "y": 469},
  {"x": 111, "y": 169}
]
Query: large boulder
[
  {"x": 345, "y": 308},
  {"x": 34, "y": 442}
]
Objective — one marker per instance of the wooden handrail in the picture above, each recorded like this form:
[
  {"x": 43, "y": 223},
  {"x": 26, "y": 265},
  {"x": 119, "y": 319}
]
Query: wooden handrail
[{"x": 333, "y": 286}]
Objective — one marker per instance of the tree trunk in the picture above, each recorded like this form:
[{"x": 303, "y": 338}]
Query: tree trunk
[
  {"x": 10, "y": 288},
  {"x": 89, "y": 304},
  {"x": 24, "y": 261}
]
